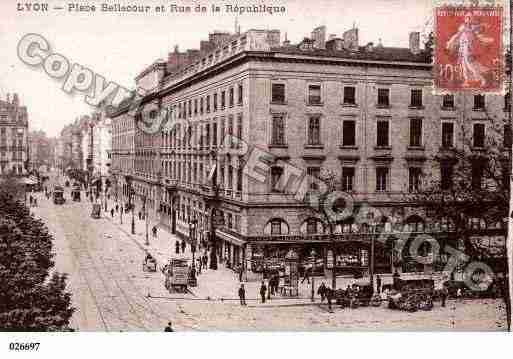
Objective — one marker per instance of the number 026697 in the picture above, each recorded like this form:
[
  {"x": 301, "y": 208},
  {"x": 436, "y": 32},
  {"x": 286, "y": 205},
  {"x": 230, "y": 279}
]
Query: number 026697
[{"x": 23, "y": 346}]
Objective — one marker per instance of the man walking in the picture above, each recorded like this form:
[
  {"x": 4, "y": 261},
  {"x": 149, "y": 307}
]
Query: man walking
[
  {"x": 322, "y": 291},
  {"x": 263, "y": 289},
  {"x": 183, "y": 246},
  {"x": 242, "y": 295},
  {"x": 306, "y": 276},
  {"x": 329, "y": 296},
  {"x": 177, "y": 247},
  {"x": 443, "y": 295},
  {"x": 241, "y": 270},
  {"x": 117, "y": 208},
  {"x": 112, "y": 212},
  {"x": 378, "y": 284},
  {"x": 154, "y": 231}
]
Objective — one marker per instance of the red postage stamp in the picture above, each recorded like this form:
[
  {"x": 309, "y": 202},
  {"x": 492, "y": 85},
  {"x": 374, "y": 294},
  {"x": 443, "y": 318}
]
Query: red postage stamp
[{"x": 468, "y": 50}]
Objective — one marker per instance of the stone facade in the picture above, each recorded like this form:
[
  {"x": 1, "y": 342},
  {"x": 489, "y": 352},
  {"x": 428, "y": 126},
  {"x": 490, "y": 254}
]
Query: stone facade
[
  {"x": 13, "y": 136},
  {"x": 368, "y": 112}
]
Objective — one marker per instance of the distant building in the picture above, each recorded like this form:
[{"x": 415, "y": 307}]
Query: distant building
[
  {"x": 40, "y": 150},
  {"x": 102, "y": 141},
  {"x": 13, "y": 136}
]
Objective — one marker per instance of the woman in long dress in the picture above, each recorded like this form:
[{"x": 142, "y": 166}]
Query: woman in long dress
[{"x": 463, "y": 42}]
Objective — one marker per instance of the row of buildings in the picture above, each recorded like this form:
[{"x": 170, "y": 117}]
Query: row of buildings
[
  {"x": 366, "y": 113},
  {"x": 41, "y": 151},
  {"x": 85, "y": 144},
  {"x": 22, "y": 151}
]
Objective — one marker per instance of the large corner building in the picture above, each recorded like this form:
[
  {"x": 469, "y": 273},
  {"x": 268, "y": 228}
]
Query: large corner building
[{"x": 367, "y": 113}]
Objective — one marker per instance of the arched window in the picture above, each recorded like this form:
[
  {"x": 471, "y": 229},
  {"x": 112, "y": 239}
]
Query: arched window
[{"x": 276, "y": 227}]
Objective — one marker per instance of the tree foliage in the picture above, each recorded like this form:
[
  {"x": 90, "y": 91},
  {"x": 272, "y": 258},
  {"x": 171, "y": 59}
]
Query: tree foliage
[
  {"x": 474, "y": 205},
  {"x": 32, "y": 298}
]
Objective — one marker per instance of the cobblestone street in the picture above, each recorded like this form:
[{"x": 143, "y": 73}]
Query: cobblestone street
[{"x": 112, "y": 293}]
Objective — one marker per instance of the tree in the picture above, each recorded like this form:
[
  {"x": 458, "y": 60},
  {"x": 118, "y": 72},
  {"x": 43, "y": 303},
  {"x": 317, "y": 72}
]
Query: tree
[
  {"x": 329, "y": 202},
  {"x": 472, "y": 196},
  {"x": 30, "y": 299},
  {"x": 12, "y": 185}
]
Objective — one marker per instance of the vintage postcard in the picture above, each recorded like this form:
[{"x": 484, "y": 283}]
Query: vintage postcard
[{"x": 182, "y": 166}]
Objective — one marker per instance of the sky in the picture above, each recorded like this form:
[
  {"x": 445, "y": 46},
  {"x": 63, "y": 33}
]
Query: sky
[{"x": 119, "y": 46}]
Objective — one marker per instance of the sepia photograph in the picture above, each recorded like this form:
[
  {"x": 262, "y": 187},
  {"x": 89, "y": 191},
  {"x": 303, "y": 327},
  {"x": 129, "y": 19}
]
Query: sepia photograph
[{"x": 286, "y": 166}]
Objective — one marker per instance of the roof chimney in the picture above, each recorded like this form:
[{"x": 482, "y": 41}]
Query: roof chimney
[
  {"x": 286, "y": 42},
  {"x": 319, "y": 37},
  {"x": 415, "y": 42},
  {"x": 350, "y": 38}
]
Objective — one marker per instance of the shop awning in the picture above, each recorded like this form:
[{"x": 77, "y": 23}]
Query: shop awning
[{"x": 230, "y": 238}]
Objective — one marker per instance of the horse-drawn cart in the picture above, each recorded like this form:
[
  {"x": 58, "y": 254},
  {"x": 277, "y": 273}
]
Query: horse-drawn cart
[
  {"x": 177, "y": 275},
  {"x": 412, "y": 295}
]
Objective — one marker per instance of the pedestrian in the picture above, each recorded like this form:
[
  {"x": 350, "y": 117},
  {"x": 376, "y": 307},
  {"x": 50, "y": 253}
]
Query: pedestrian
[
  {"x": 112, "y": 212},
  {"x": 183, "y": 246},
  {"x": 459, "y": 294},
  {"x": 35, "y": 202},
  {"x": 378, "y": 284},
  {"x": 205, "y": 260},
  {"x": 306, "y": 276},
  {"x": 242, "y": 295},
  {"x": 117, "y": 208},
  {"x": 169, "y": 328},
  {"x": 443, "y": 295},
  {"x": 199, "y": 267},
  {"x": 276, "y": 283},
  {"x": 271, "y": 287},
  {"x": 263, "y": 289},
  {"x": 154, "y": 231},
  {"x": 177, "y": 247},
  {"x": 322, "y": 291},
  {"x": 241, "y": 270},
  {"x": 329, "y": 296},
  {"x": 139, "y": 215}
]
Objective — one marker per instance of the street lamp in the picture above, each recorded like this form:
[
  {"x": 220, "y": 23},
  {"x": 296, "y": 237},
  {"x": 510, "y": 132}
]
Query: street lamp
[
  {"x": 145, "y": 218},
  {"x": 312, "y": 255},
  {"x": 131, "y": 192},
  {"x": 105, "y": 195},
  {"x": 371, "y": 262},
  {"x": 192, "y": 236},
  {"x": 213, "y": 202}
]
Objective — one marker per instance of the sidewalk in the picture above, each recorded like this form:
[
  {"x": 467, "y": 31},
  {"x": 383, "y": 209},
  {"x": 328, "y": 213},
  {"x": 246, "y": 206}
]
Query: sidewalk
[{"x": 218, "y": 284}]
